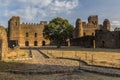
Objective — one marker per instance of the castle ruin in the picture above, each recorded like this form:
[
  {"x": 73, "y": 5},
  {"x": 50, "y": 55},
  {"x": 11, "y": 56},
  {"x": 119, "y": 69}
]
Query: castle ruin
[{"x": 92, "y": 34}]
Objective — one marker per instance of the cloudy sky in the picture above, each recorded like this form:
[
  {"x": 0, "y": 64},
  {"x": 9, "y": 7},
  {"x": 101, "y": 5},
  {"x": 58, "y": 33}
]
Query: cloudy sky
[{"x": 38, "y": 10}]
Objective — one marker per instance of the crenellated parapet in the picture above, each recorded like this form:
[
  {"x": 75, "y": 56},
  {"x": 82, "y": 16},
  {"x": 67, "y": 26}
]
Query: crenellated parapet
[{"x": 32, "y": 24}]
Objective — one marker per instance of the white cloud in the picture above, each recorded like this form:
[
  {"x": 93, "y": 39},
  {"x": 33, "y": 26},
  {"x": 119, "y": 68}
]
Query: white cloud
[
  {"x": 31, "y": 10},
  {"x": 66, "y": 5},
  {"x": 115, "y": 23},
  {"x": 5, "y": 2}
]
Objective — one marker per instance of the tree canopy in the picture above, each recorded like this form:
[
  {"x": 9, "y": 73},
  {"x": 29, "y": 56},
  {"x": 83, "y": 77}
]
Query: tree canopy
[{"x": 58, "y": 30}]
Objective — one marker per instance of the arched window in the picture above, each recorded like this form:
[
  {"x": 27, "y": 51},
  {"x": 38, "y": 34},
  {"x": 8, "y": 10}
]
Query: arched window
[
  {"x": 43, "y": 43},
  {"x": 92, "y": 34},
  {"x": 26, "y": 43},
  {"x": 27, "y": 34},
  {"x": 35, "y": 34},
  {"x": 35, "y": 43},
  {"x": 103, "y": 43},
  {"x": 84, "y": 34}
]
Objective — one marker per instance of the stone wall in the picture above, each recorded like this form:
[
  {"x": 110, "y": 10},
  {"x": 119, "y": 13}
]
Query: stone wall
[
  {"x": 3, "y": 43},
  {"x": 86, "y": 29},
  {"x": 86, "y": 41},
  {"x": 107, "y": 39}
]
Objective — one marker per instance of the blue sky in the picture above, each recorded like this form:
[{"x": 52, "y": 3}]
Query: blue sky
[{"x": 38, "y": 10}]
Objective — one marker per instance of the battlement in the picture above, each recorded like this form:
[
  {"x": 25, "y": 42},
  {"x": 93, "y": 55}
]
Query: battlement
[
  {"x": 93, "y": 19},
  {"x": 30, "y": 23},
  {"x": 15, "y": 17},
  {"x": 93, "y": 16}
]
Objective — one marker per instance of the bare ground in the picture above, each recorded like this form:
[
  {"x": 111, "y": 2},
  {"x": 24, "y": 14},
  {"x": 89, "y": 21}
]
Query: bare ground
[{"x": 66, "y": 76}]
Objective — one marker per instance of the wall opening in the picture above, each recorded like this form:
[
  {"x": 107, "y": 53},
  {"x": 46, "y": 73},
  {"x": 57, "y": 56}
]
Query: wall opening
[
  {"x": 43, "y": 43},
  {"x": 84, "y": 34},
  {"x": 26, "y": 43},
  {"x": 27, "y": 35},
  {"x": 35, "y": 43},
  {"x": 92, "y": 34},
  {"x": 35, "y": 34},
  {"x": 103, "y": 43}
]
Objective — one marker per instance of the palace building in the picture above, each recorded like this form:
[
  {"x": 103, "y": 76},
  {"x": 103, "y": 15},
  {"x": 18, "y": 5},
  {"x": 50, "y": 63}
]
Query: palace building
[{"x": 25, "y": 34}]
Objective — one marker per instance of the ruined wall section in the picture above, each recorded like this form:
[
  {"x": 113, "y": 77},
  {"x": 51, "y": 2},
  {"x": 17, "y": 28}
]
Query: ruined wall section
[
  {"x": 78, "y": 32},
  {"x": 107, "y": 39},
  {"x": 3, "y": 43},
  {"x": 13, "y": 28}
]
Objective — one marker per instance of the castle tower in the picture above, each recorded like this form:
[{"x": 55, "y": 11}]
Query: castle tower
[
  {"x": 13, "y": 29},
  {"x": 79, "y": 29},
  {"x": 93, "y": 19},
  {"x": 106, "y": 24}
]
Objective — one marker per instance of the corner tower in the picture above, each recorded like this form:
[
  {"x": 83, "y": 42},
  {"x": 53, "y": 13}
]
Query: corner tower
[
  {"x": 13, "y": 26},
  {"x": 93, "y": 19},
  {"x": 78, "y": 29},
  {"x": 13, "y": 30},
  {"x": 106, "y": 25}
]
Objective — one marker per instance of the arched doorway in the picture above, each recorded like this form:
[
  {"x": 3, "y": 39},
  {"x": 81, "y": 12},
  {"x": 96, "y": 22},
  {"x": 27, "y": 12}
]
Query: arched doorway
[
  {"x": 35, "y": 43},
  {"x": 43, "y": 43},
  {"x": 103, "y": 43},
  {"x": 26, "y": 43}
]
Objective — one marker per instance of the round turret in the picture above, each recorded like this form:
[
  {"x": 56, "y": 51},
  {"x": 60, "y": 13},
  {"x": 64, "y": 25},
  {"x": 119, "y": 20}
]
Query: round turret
[{"x": 106, "y": 24}]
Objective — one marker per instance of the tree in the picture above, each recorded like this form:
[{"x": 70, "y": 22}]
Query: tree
[{"x": 58, "y": 30}]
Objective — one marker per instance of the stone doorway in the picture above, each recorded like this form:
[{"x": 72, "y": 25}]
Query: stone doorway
[
  {"x": 27, "y": 43},
  {"x": 103, "y": 43},
  {"x": 43, "y": 43},
  {"x": 35, "y": 43}
]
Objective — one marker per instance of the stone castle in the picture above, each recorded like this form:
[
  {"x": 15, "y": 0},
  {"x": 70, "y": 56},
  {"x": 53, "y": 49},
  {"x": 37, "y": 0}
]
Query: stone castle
[
  {"x": 88, "y": 29},
  {"x": 92, "y": 34},
  {"x": 25, "y": 34},
  {"x": 89, "y": 34}
]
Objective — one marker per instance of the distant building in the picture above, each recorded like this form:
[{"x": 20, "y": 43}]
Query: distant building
[{"x": 25, "y": 34}]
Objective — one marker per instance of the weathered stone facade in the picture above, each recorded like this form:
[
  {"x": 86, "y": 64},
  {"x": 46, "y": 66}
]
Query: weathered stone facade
[
  {"x": 3, "y": 42},
  {"x": 86, "y": 29},
  {"x": 25, "y": 34},
  {"x": 86, "y": 41},
  {"x": 107, "y": 39},
  {"x": 102, "y": 36}
]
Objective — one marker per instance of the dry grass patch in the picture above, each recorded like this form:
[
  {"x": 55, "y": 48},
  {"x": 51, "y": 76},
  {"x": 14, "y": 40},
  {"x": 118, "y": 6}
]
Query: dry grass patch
[
  {"x": 103, "y": 57},
  {"x": 17, "y": 54}
]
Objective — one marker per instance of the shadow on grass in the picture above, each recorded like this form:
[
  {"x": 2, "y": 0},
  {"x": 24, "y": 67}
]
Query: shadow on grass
[{"x": 27, "y": 68}]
